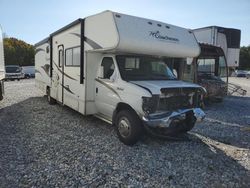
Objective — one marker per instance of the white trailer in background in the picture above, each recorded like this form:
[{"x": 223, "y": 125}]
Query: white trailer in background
[
  {"x": 227, "y": 38},
  {"x": 110, "y": 65},
  {"x": 2, "y": 67}
]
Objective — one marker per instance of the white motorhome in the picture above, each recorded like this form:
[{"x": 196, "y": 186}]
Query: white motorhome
[
  {"x": 227, "y": 38},
  {"x": 2, "y": 67},
  {"x": 111, "y": 65}
]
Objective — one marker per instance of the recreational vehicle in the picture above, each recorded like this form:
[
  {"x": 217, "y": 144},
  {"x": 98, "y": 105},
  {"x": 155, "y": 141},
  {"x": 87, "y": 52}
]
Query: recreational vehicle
[
  {"x": 113, "y": 66},
  {"x": 13, "y": 72},
  {"x": 2, "y": 69},
  {"x": 209, "y": 70},
  {"x": 227, "y": 38}
]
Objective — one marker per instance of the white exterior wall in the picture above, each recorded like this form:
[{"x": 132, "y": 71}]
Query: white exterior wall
[
  {"x": 42, "y": 67},
  {"x": 233, "y": 57},
  {"x": 137, "y": 35},
  {"x": 2, "y": 68},
  {"x": 211, "y": 36},
  {"x": 75, "y": 99},
  {"x": 115, "y": 32}
]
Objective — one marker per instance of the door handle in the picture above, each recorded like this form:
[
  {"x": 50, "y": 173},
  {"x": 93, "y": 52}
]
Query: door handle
[{"x": 96, "y": 90}]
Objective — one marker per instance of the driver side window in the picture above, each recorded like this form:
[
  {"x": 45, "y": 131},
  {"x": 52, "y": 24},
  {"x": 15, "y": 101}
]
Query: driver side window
[{"x": 107, "y": 67}]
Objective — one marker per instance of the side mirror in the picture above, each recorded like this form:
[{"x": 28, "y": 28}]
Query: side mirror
[{"x": 100, "y": 72}]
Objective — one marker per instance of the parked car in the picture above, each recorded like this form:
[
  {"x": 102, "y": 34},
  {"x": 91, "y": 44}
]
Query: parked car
[
  {"x": 242, "y": 73},
  {"x": 29, "y": 71},
  {"x": 13, "y": 72},
  {"x": 248, "y": 74}
]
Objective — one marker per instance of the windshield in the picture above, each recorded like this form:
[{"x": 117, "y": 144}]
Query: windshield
[
  {"x": 215, "y": 67},
  {"x": 143, "y": 68},
  {"x": 13, "y": 69}
]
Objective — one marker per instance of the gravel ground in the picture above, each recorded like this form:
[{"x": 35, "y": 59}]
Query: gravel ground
[
  {"x": 243, "y": 82},
  {"x": 54, "y": 146}
]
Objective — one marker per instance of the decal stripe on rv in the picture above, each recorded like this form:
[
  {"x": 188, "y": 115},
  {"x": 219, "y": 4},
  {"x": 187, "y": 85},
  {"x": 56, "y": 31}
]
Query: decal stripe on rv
[
  {"x": 68, "y": 89},
  {"x": 39, "y": 50},
  {"x": 64, "y": 72},
  {"x": 107, "y": 86},
  {"x": 92, "y": 43}
]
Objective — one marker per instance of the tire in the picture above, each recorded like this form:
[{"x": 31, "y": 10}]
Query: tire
[
  {"x": 1, "y": 93},
  {"x": 129, "y": 127},
  {"x": 50, "y": 100},
  {"x": 189, "y": 123}
]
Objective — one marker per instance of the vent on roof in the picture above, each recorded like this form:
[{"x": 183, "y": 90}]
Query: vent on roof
[
  {"x": 167, "y": 27},
  {"x": 150, "y": 23},
  {"x": 118, "y": 16},
  {"x": 159, "y": 25}
]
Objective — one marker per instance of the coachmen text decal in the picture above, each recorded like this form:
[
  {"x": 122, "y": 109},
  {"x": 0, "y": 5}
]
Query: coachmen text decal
[{"x": 157, "y": 35}]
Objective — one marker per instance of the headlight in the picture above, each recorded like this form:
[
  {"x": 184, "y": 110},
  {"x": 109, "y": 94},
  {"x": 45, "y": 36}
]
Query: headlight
[{"x": 150, "y": 104}]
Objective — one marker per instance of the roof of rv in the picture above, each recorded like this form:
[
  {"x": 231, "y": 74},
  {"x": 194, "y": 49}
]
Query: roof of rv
[{"x": 116, "y": 32}]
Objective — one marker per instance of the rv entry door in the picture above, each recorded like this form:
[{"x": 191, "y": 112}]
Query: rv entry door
[{"x": 57, "y": 76}]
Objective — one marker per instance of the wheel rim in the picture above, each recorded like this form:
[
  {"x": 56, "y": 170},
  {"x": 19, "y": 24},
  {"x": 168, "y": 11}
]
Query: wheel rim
[{"x": 124, "y": 127}]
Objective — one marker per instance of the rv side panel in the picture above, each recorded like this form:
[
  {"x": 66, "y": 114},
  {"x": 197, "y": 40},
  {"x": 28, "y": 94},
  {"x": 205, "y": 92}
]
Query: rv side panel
[
  {"x": 66, "y": 87},
  {"x": 101, "y": 32},
  {"x": 42, "y": 65},
  {"x": 2, "y": 68}
]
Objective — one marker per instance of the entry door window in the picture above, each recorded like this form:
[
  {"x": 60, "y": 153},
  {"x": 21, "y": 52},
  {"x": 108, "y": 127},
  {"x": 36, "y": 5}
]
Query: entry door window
[
  {"x": 60, "y": 58},
  {"x": 108, "y": 67}
]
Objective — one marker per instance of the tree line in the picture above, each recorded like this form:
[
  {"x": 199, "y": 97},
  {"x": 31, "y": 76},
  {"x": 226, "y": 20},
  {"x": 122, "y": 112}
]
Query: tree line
[
  {"x": 244, "y": 62},
  {"x": 18, "y": 52}
]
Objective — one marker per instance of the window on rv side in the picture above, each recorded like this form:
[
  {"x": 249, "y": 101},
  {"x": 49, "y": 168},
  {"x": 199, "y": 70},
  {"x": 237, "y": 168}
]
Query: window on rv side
[
  {"x": 69, "y": 57},
  {"x": 107, "y": 67},
  {"x": 76, "y": 56},
  {"x": 72, "y": 57}
]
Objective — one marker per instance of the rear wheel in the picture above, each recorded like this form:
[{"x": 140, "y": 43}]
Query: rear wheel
[
  {"x": 1, "y": 93},
  {"x": 50, "y": 100},
  {"x": 129, "y": 127}
]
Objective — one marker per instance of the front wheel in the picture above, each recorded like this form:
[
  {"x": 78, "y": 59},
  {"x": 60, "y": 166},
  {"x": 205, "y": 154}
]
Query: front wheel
[{"x": 129, "y": 127}]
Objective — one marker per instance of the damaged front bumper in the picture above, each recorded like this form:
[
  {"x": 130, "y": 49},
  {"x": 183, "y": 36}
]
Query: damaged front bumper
[{"x": 164, "y": 120}]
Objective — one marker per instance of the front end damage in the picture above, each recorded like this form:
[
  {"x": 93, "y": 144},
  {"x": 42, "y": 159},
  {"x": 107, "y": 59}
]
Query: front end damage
[
  {"x": 216, "y": 88},
  {"x": 174, "y": 111}
]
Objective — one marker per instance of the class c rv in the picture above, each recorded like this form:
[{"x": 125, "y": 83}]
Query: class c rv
[
  {"x": 2, "y": 65},
  {"x": 113, "y": 66}
]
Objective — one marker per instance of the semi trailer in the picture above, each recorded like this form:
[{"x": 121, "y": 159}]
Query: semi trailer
[{"x": 226, "y": 38}]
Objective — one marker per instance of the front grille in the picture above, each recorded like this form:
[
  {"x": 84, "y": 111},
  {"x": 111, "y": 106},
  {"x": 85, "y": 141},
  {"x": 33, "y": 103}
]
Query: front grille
[
  {"x": 174, "y": 103},
  {"x": 177, "y": 98}
]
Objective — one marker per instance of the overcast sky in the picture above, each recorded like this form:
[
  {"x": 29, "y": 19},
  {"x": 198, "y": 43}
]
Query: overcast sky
[{"x": 33, "y": 20}]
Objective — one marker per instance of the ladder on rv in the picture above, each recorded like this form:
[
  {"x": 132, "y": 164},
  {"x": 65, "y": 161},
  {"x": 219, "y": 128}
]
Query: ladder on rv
[{"x": 236, "y": 89}]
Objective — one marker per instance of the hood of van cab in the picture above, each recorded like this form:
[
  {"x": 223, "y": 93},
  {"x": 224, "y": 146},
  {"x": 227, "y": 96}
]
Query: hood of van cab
[{"x": 155, "y": 86}]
